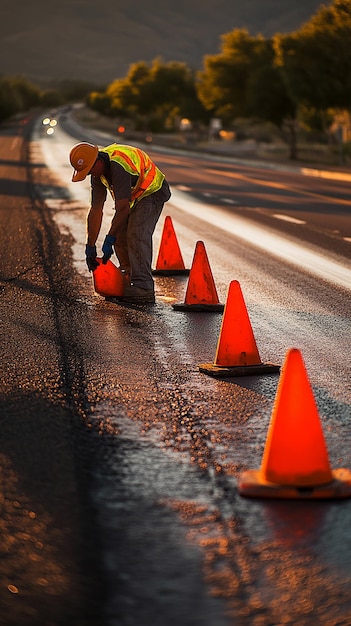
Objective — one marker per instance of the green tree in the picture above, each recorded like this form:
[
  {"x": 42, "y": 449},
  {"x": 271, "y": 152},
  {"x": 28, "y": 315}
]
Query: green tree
[
  {"x": 223, "y": 84},
  {"x": 243, "y": 81},
  {"x": 51, "y": 98},
  {"x": 75, "y": 90},
  {"x": 100, "y": 102},
  {"x": 10, "y": 100},
  {"x": 17, "y": 95},
  {"x": 153, "y": 97},
  {"x": 269, "y": 100},
  {"x": 316, "y": 61},
  {"x": 125, "y": 94}
]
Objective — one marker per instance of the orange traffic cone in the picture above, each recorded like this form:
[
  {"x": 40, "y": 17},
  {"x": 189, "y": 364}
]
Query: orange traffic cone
[
  {"x": 295, "y": 461},
  {"x": 169, "y": 259},
  {"x": 201, "y": 293},
  {"x": 237, "y": 353},
  {"x": 108, "y": 279}
]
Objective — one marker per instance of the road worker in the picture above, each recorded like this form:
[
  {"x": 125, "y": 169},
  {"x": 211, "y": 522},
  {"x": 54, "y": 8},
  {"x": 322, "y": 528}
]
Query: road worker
[{"x": 139, "y": 190}]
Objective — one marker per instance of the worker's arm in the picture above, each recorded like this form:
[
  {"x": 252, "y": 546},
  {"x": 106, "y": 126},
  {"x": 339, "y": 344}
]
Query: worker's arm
[
  {"x": 118, "y": 227},
  {"x": 120, "y": 218},
  {"x": 122, "y": 183},
  {"x": 94, "y": 220}
]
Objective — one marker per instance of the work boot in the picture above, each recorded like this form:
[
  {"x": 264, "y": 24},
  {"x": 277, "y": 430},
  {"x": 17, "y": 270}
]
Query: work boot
[{"x": 138, "y": 295}]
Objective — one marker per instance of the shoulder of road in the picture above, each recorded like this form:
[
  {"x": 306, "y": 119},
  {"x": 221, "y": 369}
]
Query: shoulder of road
[
  {"x": 225, "y": 152},
  {"x": 331, "y": 173},
  {"x": 235, "y": 152}
]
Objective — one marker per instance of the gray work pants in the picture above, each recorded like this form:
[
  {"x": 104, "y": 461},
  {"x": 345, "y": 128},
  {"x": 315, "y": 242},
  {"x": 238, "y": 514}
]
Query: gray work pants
[{"x": 133, "y": 246}]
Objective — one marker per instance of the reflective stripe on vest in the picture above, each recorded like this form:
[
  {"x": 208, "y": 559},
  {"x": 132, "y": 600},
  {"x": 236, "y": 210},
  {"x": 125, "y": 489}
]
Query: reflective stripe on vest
[{"x": 137, "y": 163}]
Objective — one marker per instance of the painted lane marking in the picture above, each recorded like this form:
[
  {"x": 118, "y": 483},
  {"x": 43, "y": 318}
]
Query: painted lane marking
[
  {"x": 288, "y": 218},
  {"x": 310, "y": 259},
  {"x": 264, "y": 183},
  {"x": 229, "y": 201}
]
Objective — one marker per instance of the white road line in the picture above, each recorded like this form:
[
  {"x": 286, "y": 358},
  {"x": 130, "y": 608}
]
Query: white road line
[
  {"x": 229, "y": 201},
  {"x": 315, "y": 262},
  {"x": 288, "y": 218}
]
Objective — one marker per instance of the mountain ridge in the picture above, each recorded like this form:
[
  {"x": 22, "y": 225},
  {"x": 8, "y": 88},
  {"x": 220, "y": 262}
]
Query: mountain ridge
[{"x": 83, "y": 40}]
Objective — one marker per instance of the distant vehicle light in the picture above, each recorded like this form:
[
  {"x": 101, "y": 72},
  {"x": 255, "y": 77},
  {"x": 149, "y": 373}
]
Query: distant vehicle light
[
  {"x": 185, "y": 124},
  {"x": 53, "y": 122},
  {"x": 50, "y": 131},
  {"x": 227, "y": 135},
  {"x": 121, "y": 129},
  {"x": 46, "y": 121}
]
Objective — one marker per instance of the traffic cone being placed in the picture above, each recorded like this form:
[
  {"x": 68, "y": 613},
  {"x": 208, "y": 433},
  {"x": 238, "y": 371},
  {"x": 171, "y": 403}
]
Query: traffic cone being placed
[
  {"x": 169, "y": 259},
  {"x": 295, "y": 461},
  {"x": 108, "y": 279},
  {"x": 201, "y": 293},
  {"x": 237, "y": 353}
]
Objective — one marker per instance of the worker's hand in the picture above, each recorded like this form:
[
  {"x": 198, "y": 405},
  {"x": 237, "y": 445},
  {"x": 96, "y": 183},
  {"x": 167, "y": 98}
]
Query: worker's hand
[
  {"x": 107, "y": 248},
  {"x": 90, "y": 256}
]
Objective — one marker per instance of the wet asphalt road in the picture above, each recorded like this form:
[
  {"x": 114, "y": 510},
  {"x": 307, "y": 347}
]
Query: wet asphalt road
[
  {"x": 87, "y": 532},
  {"x": 50, "y": 565},
  {"x": 119, "y": 500}
]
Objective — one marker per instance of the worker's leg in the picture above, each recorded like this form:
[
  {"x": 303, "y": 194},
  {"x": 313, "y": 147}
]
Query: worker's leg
[{"x": 142, "y": 222}]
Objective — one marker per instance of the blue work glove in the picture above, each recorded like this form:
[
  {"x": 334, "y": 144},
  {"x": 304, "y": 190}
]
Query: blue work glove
[
  {"x": 90, "y": 257},
  {"x": 107, "y": 248}
]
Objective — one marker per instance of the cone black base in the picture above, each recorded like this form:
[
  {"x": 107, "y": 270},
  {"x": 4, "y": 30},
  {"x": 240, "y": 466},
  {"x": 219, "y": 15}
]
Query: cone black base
[
  {"x": 182, "y": 306},
  {"x": 252, "y": 485},
  {"x": 184, "y": 272},
  {"x": 219, "y": 371}
]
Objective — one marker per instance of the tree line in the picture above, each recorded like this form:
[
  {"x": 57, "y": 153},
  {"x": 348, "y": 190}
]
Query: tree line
[
  {"x": 296, "y": 80},
  {"x": 18, "y": 95},
  {"x": 302, "y": 79}
]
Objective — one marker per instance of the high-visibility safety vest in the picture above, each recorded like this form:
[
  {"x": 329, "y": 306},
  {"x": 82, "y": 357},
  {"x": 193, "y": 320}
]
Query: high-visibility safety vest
[{"x": 137, "y": 163}]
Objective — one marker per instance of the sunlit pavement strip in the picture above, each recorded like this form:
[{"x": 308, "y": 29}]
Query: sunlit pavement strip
[
  {"x": 294, "y": 253},
  {"x": 326, "y": 174}
]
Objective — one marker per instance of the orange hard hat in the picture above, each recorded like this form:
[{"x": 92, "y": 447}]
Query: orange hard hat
[{"x": 82, "y": 157}]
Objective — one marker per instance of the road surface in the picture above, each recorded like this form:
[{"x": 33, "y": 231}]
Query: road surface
[{"x": 122, "y": 460}]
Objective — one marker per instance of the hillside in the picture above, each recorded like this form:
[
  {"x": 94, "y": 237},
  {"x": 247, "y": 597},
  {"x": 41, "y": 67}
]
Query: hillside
[{"x": 97, "y": 41}]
